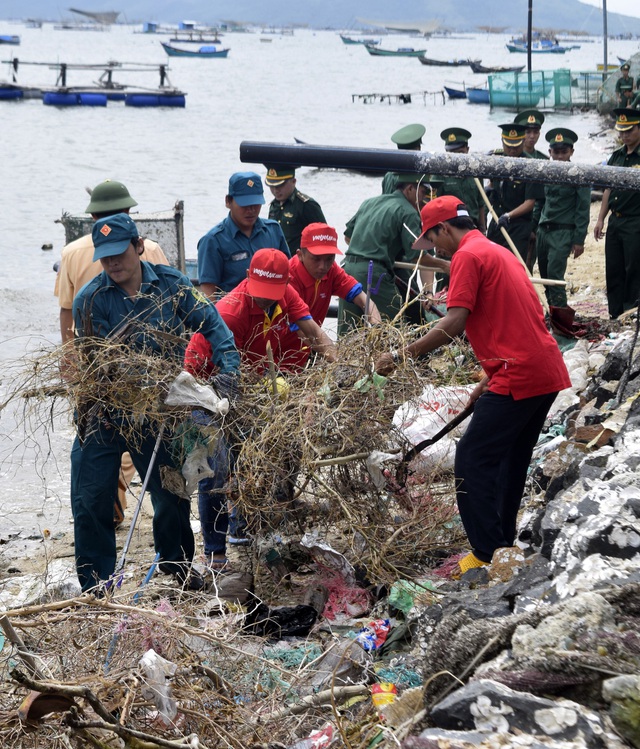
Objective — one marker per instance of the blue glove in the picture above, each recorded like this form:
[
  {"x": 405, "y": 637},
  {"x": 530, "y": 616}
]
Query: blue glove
[
  {"x": 504, "y": 220},
  {"x": 227, "y": 385}
]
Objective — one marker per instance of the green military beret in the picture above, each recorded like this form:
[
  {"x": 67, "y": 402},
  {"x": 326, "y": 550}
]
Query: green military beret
[
  {"x": 455, "y": 138},
  {"x": 529, "y": 118},
  {"x": 409, "y": 137},
  {"x": 276, "y": 175},
  {"x": 561, "y": 136}
]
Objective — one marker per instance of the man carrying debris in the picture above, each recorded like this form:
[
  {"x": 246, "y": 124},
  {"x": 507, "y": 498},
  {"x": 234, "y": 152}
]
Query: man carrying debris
[
  {"x": 259, "y": 313},
  {"x": 492, "y": 300},
  {"x": 138, "y": 304}
]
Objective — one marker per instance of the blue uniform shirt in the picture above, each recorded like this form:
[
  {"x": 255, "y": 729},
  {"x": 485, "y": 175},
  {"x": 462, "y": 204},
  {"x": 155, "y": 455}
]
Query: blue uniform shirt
[
  {"x": 224, "y": 253},
  {"x": 167, "y": 301}
]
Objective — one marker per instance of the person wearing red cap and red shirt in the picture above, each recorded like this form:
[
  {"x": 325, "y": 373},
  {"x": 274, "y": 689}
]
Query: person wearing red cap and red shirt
[
  {"x": 316, "y": 276},
  {"x": 260, "y": 310},
  {"x": 491, "y": 299}
]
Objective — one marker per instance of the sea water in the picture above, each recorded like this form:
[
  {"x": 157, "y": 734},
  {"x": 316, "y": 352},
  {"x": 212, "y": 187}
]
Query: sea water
[{"x": 298, "y": 86}]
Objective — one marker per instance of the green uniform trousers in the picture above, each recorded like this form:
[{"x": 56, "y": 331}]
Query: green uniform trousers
[
  {"x": 519, "y": 231},
  {"x": 622, "y": 263},
  {"x": 554, "y": 247},
  {"x": 386, "y": 296}
]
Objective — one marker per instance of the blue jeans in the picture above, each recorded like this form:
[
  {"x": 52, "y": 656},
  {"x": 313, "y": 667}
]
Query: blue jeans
[
  {"x": 215, "y": 519},
  {"x": 95, "y": 467}
]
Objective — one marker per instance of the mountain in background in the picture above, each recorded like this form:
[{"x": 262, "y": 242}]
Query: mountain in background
[{"x": 461, "y": 15}]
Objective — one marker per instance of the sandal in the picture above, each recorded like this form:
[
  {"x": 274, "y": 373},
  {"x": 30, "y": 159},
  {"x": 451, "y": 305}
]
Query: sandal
[{"x": 215, "y": 562}]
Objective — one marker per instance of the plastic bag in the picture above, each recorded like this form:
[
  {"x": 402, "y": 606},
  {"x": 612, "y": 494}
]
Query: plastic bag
[
  {"x": 374, "y": 634},
  {"x": 185, "y": 390},
  {"x": 156, "y": 669},
  {"x": 420, "y": 420}
]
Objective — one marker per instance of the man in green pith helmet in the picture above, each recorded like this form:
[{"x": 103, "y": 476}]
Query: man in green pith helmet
[
  {"x": 563, "y": 222},
  {"x": 456, "y": 140},
  {"x": 533, "y": 121},
  {"x": 382, "y": 231},
  {"x": 292, "y": 209},
  {"x": 514, "y": 199},
  {"x": 624, "y": 86},
  {"x": 408, "y": 138},
  {"x": 622, "y": 244}
]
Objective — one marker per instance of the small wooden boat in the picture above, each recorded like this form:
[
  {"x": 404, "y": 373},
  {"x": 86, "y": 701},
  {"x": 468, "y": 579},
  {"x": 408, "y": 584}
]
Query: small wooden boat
[
  {"x": 455, "y": 93},
  {"x": 545, "y": 46},
  {"x": 9, "y": 39},
  {"x": 445, "y": 63},
  {"x": 206, "y": 50},
  {"x": 478, "y": 68},
  {"x": 477, "y": 95},
  {"x": 351, "y": 40},
  {"x": 400, "y": 52}
]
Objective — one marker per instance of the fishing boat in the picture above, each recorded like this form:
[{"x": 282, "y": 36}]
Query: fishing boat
[
  {"x": 9, "y": 39},
  {"x": 445, "y": 63},
  {"x": 351, "y": 40},
  {"x": 477, "y": 95},
  {"x": 478, "y": 68},
  {"x": 207, "y": 50},
  {"x": 400, "y": 52},
  {"x": 544, "y": 46},
  {"x": 455, "y": 93}
]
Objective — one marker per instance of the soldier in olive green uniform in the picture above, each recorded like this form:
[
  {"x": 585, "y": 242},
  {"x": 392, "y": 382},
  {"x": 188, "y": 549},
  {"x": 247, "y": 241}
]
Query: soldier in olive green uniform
[
  {"x": 408, "y": 138},
  {"x": 513, "y": 199},
  {"x": 624, "y": 86},
  {"x": 378, "y": 233},
  {"x": 456, "y": 140},
  {"x": 292, "y": 209},
  {"x": 564, "y": 220},
  {"x": 533, "y": 121},
  {"x": 622, "y": 244}
]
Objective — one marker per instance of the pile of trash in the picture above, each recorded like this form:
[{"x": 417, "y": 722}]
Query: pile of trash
[{"x": 300, "y": 650}]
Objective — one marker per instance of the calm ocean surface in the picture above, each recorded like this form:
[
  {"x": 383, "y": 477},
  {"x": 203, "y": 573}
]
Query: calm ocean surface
[{"x": 295, "y": 86}]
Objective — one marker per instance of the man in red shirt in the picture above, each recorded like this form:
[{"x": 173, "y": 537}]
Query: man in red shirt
[
  {"x": 260, "y": 310},
  {"x": 316, "y": 276},
  {"x": 491, "y": 299}
]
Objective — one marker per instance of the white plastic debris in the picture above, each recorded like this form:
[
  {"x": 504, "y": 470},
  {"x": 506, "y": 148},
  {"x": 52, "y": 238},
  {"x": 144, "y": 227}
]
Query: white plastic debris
[
  {"x": 185, "y": 390},
  {"x": 156, "y": 669},
  {"x": 326, "y": 556},
  {"x": 195, "y": 468}
]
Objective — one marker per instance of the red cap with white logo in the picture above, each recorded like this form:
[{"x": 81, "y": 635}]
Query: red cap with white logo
[
  {"x": 320, "y": 239},
  {"x": 268, "y": 274}
]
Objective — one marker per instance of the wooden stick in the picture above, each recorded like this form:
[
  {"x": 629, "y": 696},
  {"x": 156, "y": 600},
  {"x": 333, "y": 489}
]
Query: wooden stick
[
  {"x": 514, "y": 249},
  {"x": 534, "y": 279}
]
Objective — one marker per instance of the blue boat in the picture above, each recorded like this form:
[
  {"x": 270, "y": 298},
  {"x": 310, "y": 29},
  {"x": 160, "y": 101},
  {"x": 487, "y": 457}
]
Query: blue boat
[
  {"x": 544, "y": 46},
  {"x": 9, "y": 39},
  {"x": 364, "y": 40},
  {"x": 477, "y": 95},
  {"x": 207, "y": 50},
  {"x": 455, "y": 93}
]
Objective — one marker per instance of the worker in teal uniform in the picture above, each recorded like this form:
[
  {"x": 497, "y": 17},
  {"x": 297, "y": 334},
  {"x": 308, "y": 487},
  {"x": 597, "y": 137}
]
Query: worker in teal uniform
[
  {"x": 142, "y": 306},
  {"x": 563, "y": 222},
  {"x": 292, "y": 209},
  {"x": 622, "y": 244}
]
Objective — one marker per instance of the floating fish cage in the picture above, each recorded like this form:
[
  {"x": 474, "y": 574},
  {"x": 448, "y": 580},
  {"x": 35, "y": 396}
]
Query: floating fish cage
[
  {"x": 106, "y": 90},
  {"x": 524, "y": 90}
]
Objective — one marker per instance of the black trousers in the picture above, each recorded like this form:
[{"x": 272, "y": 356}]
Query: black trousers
[{"x": 491, "y": 464}]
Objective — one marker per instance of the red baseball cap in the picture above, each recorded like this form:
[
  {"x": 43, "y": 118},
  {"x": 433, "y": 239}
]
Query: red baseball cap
[
  {"x": 435, "y": 212},
  {"x": 320, "y": 239},
  {"x": 268, "y": 274}
]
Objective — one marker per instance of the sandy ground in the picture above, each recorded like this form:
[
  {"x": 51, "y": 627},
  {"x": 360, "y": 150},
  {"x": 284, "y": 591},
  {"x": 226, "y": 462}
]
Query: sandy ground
[{"x": 25, "y": 555}]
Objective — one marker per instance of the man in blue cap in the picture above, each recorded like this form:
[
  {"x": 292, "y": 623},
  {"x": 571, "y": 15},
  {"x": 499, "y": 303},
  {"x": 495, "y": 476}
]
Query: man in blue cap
[
  {"x": 139, "y": 304},
  {"x": 224, "y": 253}
]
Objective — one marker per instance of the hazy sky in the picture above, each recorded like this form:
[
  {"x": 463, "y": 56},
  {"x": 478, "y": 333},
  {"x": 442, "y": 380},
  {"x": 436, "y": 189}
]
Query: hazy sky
[{"x": 628, "y": 7}]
